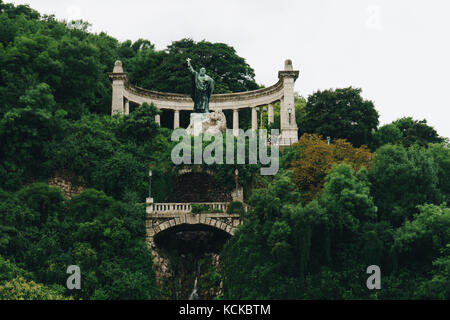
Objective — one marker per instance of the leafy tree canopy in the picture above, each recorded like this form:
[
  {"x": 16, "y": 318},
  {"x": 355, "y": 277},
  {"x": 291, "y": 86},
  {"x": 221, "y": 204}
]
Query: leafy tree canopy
[
  {"x": 312, "y": 158},
  {"x": 407, "y": 132},
  {"x": 340, "y": 113}
]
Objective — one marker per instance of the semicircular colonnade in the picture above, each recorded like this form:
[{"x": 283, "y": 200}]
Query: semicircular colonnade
[{"x": 124, "y": 93}]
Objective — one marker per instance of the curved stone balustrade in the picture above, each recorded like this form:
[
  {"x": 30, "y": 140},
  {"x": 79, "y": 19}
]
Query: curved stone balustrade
[
  {"x": 282, "y": 91},
  {"x": 182, "y": 208}
]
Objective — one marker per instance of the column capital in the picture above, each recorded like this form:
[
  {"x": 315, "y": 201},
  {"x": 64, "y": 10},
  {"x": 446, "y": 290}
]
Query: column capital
[
  {"x": 288, "y": 71},
  {"x": 288, "y": 74}
]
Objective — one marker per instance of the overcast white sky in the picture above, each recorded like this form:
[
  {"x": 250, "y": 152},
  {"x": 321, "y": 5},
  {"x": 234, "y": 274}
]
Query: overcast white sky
[{"x": 398, "y": 51}]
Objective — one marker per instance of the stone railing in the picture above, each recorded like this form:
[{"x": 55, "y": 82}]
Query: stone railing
[{"x": 183, "y": 208}]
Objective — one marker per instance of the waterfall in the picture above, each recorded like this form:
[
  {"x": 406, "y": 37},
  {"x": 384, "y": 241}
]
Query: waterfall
[{"x": 194, "y": 294}]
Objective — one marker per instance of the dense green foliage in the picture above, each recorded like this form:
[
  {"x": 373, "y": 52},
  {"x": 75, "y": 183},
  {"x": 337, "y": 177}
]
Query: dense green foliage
[
  {"x": 287, "y": 250},
  {"x": 313, "y": 229},
  {"x": 407, "y": 132},
  {"x": 340, "y": 113},
  {"x": 44, "y": 234},
  {"x": 46, "y": 64},
  {"x": 231, "y": 72}
]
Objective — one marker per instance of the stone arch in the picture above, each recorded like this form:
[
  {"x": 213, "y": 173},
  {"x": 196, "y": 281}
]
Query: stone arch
[
  {"x": 225, "y": 222},
  {"x": 163, "y": 225},
  {"x": 157, "y": 223},
  {"x": 212, "y": 222}
]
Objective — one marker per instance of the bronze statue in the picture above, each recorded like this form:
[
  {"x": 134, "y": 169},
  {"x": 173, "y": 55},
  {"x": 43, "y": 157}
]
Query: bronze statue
[{"x": 202, "y": 88}]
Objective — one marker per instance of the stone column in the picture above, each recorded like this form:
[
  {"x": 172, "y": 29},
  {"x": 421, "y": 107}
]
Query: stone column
[
  {"x": 235, "y": 122},
  {"x": 127, "y": 107},
  {"x": 176, "y": 119},
  {"x": 270, "y": 113},
  {"x": 118, "y": 87},
  {"x": 158, "y": 119},
  {"x": 254, "y": 119},
  {"x": 289, "y": 129}
]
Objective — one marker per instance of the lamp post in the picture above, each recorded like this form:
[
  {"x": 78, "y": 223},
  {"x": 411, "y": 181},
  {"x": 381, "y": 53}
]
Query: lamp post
[
  {"x": 290, "y": 114},
  {"x": 236, "y": 179},
  {"x": 150, "y": 183}
]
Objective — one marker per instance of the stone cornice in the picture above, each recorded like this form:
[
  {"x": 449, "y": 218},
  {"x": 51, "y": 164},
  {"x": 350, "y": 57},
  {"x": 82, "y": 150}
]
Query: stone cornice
[
  {"x": 288, "y": 74},
  {"x": 118, "y": 76},
  {"x": 215, "y": 98}
]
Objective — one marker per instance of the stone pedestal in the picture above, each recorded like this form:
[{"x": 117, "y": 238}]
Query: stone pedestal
[
  {"x": 149, "y": 205},
  {"x": 208, "y": 123},
  {"x": 196, "y": 124},
  {"x": 238, "y": 195}
]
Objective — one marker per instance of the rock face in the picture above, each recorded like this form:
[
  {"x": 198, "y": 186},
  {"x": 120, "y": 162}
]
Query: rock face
[
  {"x": 69, "y": 184},
  {"x": 207, "y": 123}
]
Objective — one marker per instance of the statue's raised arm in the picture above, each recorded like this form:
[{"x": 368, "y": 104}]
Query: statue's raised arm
[{"x": 189, "y": 65}]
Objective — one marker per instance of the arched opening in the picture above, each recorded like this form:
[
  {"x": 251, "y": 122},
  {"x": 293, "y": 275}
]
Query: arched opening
[
  {"x": 191, "y": 252},
  {"x": 196, "y": 239}
]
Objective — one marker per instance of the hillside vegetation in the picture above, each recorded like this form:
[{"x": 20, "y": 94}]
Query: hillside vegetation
[{"x": 374, "y": 196}]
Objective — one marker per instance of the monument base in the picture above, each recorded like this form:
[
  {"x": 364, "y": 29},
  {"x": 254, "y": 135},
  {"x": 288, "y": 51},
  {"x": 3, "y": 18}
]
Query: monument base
[
  {"x": 207, "y": 123},
  {"x": 196, "y": 124}
]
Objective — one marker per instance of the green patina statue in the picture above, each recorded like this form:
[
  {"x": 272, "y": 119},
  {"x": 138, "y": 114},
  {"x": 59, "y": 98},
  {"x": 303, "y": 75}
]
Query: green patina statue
[{"x": 202, "y": 88}]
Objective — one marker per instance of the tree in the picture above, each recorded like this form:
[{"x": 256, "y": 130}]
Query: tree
[
  {"x": 344, "y": 237},
  {"x": 108, "y": 244},
  {"x": 407, "y": 132},
  {"x": 347, "y": 198},
  {"x": 340, "y": 113},
  {"x": 39, "y": 97},
  {"x": 16, "y": 284},
  {"x": 416, "y": 132},
  {"x": 440, "y": 153},
  {"x": 122, "y": 173},
  {"x": 140, "y": 125},
  {"x": 438, "y": 287},
  {"x": 25, "y": 134},
  {"x": 258, "y": 262},
  {"x": 422, "y": 246},
  {"x": 389, "y": 133},
  {"x": 312, "y": 158},
  {"x": 169, "y": 72},
  {"x": 420, "y": 241},
  {"x": 402, "y": 179},
  {"x": 288, "y": 251},
  {"x": 21, "y": 289}
]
